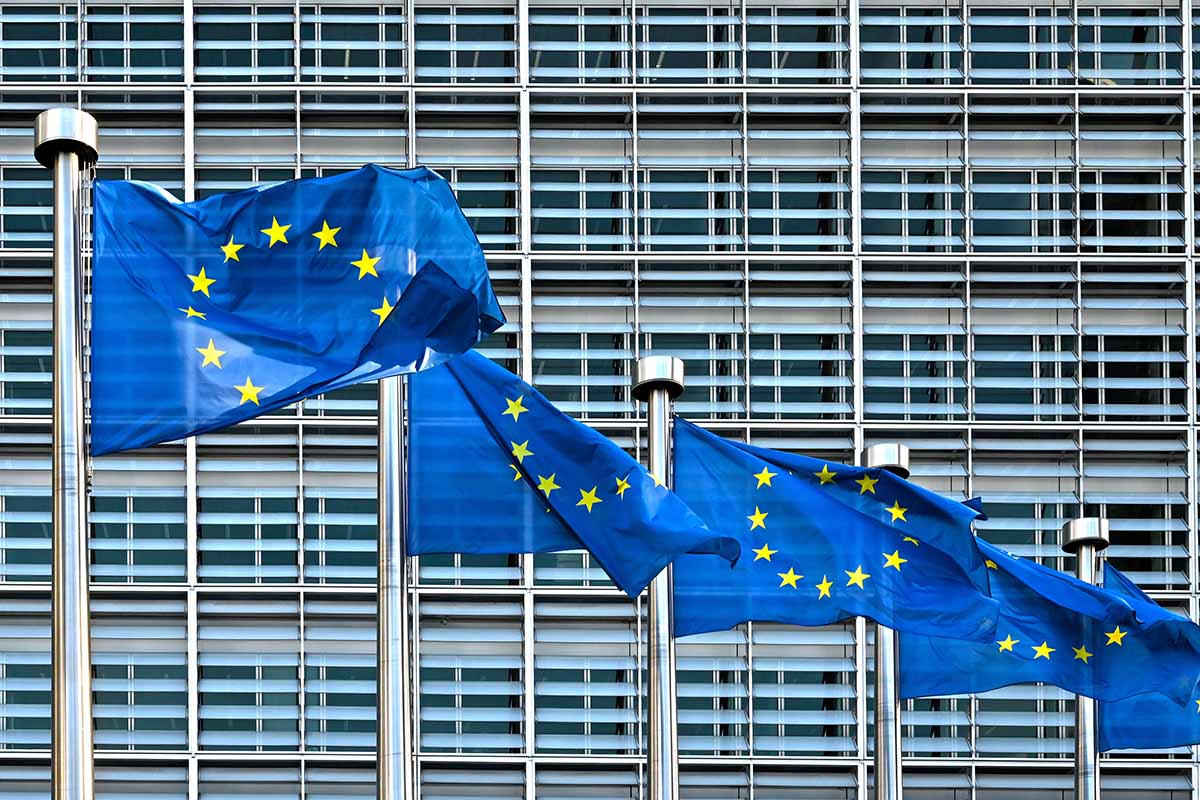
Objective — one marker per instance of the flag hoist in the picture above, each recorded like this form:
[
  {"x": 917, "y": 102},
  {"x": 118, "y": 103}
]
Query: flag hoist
[
  {"x": 65, "y": 142},
  {"x": 893, "y": 458},
  {"x": 659, "y": 380},
  {"x": 1085, "y": 538}
]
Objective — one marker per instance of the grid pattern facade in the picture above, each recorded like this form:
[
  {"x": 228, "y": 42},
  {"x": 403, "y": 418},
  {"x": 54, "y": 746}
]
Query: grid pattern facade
[{"x": 970, "y": 227}]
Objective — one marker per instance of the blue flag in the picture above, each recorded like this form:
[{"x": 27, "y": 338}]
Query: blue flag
[
  {"x": 496, "y": 468},
  {"x": 213, "y": 312},
  {"x": 1169, "y": 717},
  {"x": 1053, "y": 629},
  {"x": 829, "y": 542}
]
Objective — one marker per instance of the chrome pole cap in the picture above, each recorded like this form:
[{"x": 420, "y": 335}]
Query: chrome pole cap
[
  {"x": 1085, "y": 531},
  {"x": 891, "y": 456},
  {"x": 58, "y": 130},
  {"x": 658, "y": 372}
]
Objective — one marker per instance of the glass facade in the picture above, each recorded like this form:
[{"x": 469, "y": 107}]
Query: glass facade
[{"x": 970, "y": 228}]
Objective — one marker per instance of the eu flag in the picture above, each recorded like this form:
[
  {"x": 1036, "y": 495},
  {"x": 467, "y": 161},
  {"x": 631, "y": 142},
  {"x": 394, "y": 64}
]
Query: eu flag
[
  {"x": 829, "y": 541},
  {"x": 1053, "y": 629},
  {"x": 1158, "y": 719},
  {"x": 496, "y": 468},
  {"x": 213, "y": 312}
]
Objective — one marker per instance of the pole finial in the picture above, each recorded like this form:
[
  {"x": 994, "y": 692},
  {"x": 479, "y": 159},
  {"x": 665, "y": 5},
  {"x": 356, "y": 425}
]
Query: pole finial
[
  {"x": 1085, "y": 531},
  {"x": 65, "y": 129},
  {"x": 658, "y": 372},
  {"x": 891, "y": 456}
]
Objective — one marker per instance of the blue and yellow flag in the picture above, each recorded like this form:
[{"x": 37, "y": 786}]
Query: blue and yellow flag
[
  {"x": 1159, "y": 719},
  {"x": 829, "y": 542},
  {"x": 1053, "y": 629},
  {"x": 213, "y": 312},
  {"x": 494, "y": 467}
]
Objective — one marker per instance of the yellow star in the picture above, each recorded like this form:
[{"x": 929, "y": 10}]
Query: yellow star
[
  {"x": 1082, "y": 654},
  {"x": 894, "y": 560},
  {"x": 548, "y": 485},
  {"x": 516, "y": 471},
  {"x": 249, "y": 392},
  {"x": 515, "y": 408},
  {"x": 758, "y": 519},
  {"x": 325, "y": 235},
  {"x": 990, "y": 564},
  {"x": 366, "y": 265},
  {"x": 825, "y": 475},
  {"x": 1115, "y": 636},
  {"x": 824, "y": 586},
  {"x": 277, "y": 233},
  {"x": 622, "y": 485},
  {"x": 521, "y": 450},
  {"x": 764, "y": 552},
  {"x": 230, "y": 250},
  {"x": 764, "y": 477},
  {"x": 897, "y": 512},
  {"x": 657, "y": 480},
  {"x": 867, "y": 483},
  {"x": 588, "y": 498},
  {"x": 1198, "y": 706},
  {"x": 857, "y": 577},
  {"x": 911, "y": 539},
  {"x": 1043, "y": 651},
  {"x": 383, "y": 311},
  {"x": 1007, "y": 644},
  {"x": 201, "y": 282},
  {"x": 211, "y": 355},
  {"x": 788, "y": 578},
  {"x": 191, "y": 312}
]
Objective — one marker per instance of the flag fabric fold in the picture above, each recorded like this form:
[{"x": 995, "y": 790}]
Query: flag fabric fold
[
  {"x": 824, "y": 542},
  {"x": 494, "y": 467},
  {"x": 1169, "y": 717},
  {"x": 1053, "y": 629},
  {"x": 209, "y": 313}
]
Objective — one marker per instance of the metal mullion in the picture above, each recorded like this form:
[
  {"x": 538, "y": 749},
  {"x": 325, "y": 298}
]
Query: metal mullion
[
  {"x": 528, "y": 659},
  {"x": 298, "y": 44}
]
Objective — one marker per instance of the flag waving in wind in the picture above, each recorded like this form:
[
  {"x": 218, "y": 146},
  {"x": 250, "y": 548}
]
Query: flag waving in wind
[
  {"x": 829, "y": 542},
  {"x": 213, "y": 312},
  {"x": 1053, "y": 629},
  {"x": 496, "y": 468},
  {"x": 1169, "y": 717}
]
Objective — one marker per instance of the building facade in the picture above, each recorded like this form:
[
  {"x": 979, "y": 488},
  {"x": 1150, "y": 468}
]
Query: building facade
[{"x": 969, "y": 227}]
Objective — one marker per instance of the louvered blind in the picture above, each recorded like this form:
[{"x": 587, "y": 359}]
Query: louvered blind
[
  {"x": 249, "y": 666},
  {"x": 586, "y": 678},
  {"x": 471, "y": 676},
  {"x": 139, "y": 674},
  {"x": 339, "y": 674}
]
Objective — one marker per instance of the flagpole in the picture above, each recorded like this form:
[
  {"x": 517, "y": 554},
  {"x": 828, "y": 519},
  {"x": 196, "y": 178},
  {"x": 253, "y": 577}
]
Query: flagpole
[
  {"x": 659, "y": 380},
  {"x": 892, "y": 457},
  {"x": 65, "y": 142},
  {"x": 1085, "y": 537},
  {"x": 394, "y": 751}
]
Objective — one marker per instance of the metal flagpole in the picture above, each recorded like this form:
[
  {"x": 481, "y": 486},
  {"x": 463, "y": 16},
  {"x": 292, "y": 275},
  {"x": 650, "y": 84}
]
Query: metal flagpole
[
  {"x": 1085, "y": 537},
  {"x": 394, "y": 779},
  {"x": 659, "y": 380},
  {"x": 65, "y": 141},
  {"x": 892, "y": 457}
]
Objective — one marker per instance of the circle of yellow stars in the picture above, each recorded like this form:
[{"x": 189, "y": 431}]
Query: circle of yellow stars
[
  {"x": 277, "y": 233},
  {"x": 1044, "y": 650},
  {"x": 589, "y": 498},
  {"x": 857, "y": 577}
]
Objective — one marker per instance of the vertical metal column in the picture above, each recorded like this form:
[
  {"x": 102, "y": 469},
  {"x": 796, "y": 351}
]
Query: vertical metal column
[
  {"x": 892, "y": 457},
  {"x": 65, "y": 141},
  {"x": 394, "y": 778},
  {"x": 1085, "y": 537},
  {"x": 659, "y": 380}
]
